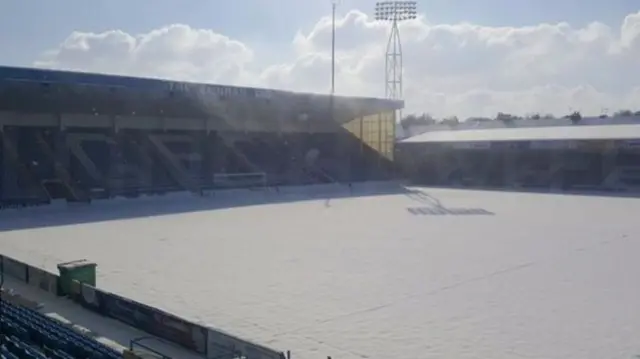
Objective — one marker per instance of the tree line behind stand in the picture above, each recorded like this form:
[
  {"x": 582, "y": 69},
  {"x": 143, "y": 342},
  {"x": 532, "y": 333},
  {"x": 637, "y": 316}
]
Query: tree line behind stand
[{"x": 424, "y": 119}]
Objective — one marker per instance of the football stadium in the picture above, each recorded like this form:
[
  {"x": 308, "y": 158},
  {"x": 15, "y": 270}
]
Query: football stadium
[{"x": 145, "y": 218}]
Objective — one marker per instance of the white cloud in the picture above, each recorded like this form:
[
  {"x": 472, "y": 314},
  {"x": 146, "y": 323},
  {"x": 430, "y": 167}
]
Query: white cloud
[{"x": 462, "y": 69}]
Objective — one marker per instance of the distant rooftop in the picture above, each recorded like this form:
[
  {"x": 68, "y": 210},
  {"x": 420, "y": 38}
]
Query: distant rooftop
[{"x": 538, "y": 133}]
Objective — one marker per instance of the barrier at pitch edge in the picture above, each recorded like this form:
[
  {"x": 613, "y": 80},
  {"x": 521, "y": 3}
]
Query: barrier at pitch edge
[
  {"x": 31, "y": 275},
  {"x": 220, "y": 344},
  {"x": 211, "y": 342},
  {"x": 156, "y": 322},
  {"x": 15, "y": 269},
  {"x": 140, "y": 316},
  {"x": 42, "y": 279}
]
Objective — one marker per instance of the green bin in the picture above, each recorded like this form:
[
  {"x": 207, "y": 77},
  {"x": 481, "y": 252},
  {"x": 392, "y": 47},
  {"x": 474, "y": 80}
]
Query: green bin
[{"x": 81, "y": 270}]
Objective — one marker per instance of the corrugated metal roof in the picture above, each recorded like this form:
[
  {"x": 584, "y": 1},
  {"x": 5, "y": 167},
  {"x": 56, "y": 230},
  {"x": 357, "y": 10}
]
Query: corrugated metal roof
[
  {"x": 574, "y": 132},
  {"x": 155, "y": 84}
]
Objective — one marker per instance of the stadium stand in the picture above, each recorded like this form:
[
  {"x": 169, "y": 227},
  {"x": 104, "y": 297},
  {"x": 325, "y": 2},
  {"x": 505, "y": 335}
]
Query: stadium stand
[
  {"x": 594, "y": 154},
  {"x": 29, "y": 334},
  {"x": 80, "y": 136}
]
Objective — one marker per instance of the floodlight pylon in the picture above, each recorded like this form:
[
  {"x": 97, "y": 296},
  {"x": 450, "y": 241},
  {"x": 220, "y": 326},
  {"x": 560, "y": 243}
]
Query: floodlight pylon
[{"x": 394, "y": 12}]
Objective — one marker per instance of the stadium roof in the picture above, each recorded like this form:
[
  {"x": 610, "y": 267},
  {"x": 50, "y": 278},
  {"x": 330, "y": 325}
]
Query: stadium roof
[
  {"x": 150, "y": 84},
  {"x": 553, "y": 133}
]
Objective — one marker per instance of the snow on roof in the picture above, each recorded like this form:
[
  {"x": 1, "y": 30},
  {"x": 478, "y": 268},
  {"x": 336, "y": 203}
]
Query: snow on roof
[{"x": 573, "y": 132}]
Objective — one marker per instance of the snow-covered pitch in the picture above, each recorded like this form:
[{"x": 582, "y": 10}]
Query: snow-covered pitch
[{"x": 425, "y": 273}]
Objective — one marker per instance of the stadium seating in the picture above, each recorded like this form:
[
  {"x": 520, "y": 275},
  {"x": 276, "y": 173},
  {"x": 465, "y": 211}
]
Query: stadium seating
[
  {"x": 27, "y": 334},
  {"x": 248, "y": 135}
]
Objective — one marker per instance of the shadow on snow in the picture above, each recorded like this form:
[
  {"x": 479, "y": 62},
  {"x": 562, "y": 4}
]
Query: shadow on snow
[{"x": 62, "y": 214}]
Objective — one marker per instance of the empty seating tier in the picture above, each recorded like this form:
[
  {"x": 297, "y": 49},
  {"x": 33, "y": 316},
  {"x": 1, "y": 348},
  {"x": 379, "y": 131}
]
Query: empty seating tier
[{"x": 27, "y": 334}]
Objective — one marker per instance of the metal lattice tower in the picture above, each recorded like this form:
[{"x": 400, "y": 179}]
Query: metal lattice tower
[{"x": 394, "y": 12}]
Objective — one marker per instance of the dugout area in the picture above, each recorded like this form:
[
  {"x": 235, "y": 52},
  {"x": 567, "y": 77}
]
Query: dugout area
[
  {"x": 585, "y": 157},
  {"x": 80, "y": 136}
]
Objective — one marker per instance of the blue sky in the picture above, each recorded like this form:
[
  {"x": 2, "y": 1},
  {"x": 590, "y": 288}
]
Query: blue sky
[
  {"x": 518, "y": 60},
  {"x": 27, "y": 27}
]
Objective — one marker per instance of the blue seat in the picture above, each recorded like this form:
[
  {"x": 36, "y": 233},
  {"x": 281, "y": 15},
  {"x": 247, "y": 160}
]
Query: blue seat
[{"x": 30, "y": 334}]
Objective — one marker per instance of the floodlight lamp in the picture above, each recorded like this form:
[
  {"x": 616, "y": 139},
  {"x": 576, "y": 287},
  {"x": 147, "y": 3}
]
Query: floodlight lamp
[{"x": 396, "y": 10}]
